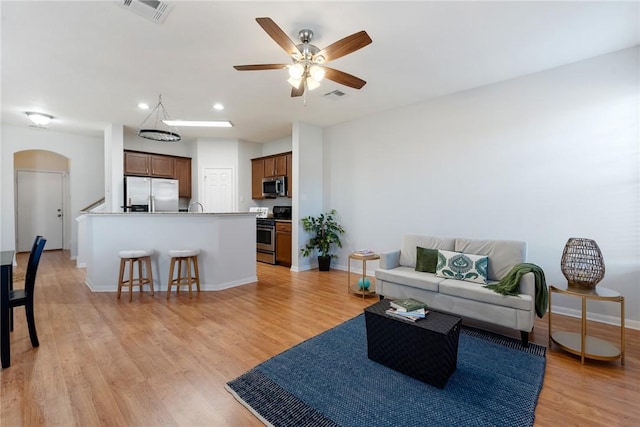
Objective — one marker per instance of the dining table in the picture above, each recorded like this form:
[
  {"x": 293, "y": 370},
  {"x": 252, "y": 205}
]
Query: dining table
[{"x": 6, "y": 284}]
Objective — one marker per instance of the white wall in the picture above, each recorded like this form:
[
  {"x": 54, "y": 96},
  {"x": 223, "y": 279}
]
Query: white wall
[
  {"x": 113, "y": 167},
  {"x": 216, "y": 153},
  {"x": 246, "y": 152},
  {"x": 540, "y": 158},
  {"x": 308, "y": 187},
  {"x": 277, "y": 146},
  {"x": 86, "y": 172}
]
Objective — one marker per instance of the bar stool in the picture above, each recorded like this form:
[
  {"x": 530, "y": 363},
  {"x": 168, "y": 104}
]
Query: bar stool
[
  {"x": 185, "y": 258},
  {"x": 132, "y": 257}
]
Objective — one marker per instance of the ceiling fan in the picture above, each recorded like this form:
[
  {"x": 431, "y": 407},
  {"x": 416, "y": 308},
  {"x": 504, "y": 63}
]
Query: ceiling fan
[{"x": 308, "y": 67}]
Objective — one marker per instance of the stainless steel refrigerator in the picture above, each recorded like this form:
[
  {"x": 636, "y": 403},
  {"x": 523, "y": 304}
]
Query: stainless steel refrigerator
[{"x": 150, "y": 194}]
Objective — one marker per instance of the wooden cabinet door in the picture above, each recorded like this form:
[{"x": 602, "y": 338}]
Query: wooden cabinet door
[
  {"x": 257, "y": 173},
  {"x": 183, "y": 175},
  {"x": 283, "y": 243},
  {"x": 162, "y": 166},
  {"x": 289, "y": 161},
  {"x": 269, "y": 167},
  {"x": 136, "y": 164},
  {"x": 280, "y": 165}
]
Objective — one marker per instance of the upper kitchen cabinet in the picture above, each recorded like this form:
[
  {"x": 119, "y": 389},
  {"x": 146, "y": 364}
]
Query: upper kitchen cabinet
[
  {"x": 147, "y": 164},
  {"x": 162, "y": 166},
  {"x": 183, "y": 175},
  {"x": 136, "y": 163},
  {"x": 257, "y": 173},
  {"x": 275, "y": 166},
  {"x": 268, "y": 167}
]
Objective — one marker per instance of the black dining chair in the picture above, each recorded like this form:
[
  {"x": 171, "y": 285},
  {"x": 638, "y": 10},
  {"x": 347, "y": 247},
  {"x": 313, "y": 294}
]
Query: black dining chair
[{"x": 18, "y": 297}]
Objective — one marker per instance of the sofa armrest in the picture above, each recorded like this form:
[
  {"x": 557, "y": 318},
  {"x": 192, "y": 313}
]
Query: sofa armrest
[
  {"x": 528, "y": 285},
  {"x": 389, "y": 260}
]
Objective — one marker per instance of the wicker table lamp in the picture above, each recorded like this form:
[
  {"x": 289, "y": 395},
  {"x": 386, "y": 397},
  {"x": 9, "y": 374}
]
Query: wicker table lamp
[{"x": 582, "y": 263}]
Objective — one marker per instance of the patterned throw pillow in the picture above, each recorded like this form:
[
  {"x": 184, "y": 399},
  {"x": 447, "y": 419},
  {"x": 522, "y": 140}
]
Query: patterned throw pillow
[{"x": 456, "y": 265}]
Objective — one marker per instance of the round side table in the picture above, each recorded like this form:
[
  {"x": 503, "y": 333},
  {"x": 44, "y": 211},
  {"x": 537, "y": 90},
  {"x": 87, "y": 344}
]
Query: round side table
[
  {"x": 582, "y": 344},
  {"x": 354, "y": 288}
]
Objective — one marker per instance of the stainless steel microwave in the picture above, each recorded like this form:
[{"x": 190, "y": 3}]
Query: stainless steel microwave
[{"x": 274, "y": 187}]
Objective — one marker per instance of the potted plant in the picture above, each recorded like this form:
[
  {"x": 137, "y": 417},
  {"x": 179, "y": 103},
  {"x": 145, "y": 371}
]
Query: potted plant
[{"x": 325, "y": 232}]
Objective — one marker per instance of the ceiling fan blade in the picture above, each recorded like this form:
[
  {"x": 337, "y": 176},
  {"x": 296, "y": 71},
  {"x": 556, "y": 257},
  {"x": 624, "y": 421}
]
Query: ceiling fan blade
[
  {"x": 297, "y": 91},
  {"x": 343, "y": 78},
  {"x": 278, "y": 35},
  {"x": 257, "y": 67},
  {"x": 344, "y": 46}
]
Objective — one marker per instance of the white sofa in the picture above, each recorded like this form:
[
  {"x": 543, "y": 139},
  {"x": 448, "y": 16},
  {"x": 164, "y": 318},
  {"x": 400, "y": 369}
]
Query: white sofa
[{"x": 397, "y": 278}]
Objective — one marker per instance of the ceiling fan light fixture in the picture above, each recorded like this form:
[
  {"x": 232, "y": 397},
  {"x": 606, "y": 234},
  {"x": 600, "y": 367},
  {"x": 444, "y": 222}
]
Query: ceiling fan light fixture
[
  {"x": 295, "y": 82},
  {"x": 312, "y": 84},
  {"x": 39, "y": 119},
  {"x": 296, "y": 71},
  {"x": 317, "y": 73}
]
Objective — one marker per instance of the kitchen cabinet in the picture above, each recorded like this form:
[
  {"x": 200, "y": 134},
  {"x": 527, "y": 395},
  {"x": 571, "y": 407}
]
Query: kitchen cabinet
[
  {"x": 147, "y": 164},
  {"x": 270, "y": 166},
  {"x": 183, "y": 175},
  {"x": 257, "y": 173},
  {"x": 283, "y": 243},
  {"x": 162, "y": 166},
  {"x": 137, "y": 163},
  {"x": 275, "y": 166}
]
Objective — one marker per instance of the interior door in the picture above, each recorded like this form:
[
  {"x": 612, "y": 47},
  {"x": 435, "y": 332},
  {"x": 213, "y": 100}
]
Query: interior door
[
  {"x": 218, "y": 190},
  {"x": 39, "y": 208}
]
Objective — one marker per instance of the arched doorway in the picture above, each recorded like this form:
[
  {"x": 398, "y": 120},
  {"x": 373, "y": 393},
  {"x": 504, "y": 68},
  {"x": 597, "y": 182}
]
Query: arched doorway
[{"x": 42, "y": 198}]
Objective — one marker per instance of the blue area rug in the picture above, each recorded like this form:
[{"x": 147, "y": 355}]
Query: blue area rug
[{"x": 329, "y": 381}]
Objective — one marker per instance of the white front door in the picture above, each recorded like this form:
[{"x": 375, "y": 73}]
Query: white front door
[
  {"x": 218, "y": 190},
  {"x": 39, "y": 208}
]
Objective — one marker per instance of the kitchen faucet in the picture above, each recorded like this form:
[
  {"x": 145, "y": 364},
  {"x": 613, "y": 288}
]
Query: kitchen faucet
[{"x": 195, "y": 203}]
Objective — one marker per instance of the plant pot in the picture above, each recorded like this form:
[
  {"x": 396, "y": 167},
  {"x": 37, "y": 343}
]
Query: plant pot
[{"x": 324, "y": 263}]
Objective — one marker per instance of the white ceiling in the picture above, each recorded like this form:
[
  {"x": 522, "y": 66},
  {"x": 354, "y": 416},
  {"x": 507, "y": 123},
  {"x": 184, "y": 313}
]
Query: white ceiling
[{"x": 90, "y": 63}]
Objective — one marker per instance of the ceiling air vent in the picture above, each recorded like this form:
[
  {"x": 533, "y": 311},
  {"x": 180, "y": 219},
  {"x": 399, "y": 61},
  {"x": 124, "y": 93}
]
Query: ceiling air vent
[
  {"x": 334, "y": 94},
  {"x": 155, "y": 11}
]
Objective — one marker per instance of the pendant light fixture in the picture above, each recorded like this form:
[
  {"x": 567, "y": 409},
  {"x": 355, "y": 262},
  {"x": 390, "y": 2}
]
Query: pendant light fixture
[{"x": 157, "y": 129}]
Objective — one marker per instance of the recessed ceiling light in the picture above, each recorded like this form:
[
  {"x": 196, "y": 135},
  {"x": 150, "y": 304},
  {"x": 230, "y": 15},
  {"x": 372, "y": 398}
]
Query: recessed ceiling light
[
  {"x": 143, "y": 106},
  {"x": 218, "y": 106},
  {"x": 40, "y": 119},
  {"x": 200, "y": 123}
]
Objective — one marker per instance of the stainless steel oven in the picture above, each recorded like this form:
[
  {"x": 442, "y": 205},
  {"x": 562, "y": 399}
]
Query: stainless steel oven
[{"x": 266, "y": 240}]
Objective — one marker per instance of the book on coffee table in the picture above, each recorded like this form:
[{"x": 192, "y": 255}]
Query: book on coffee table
[
  {"x": 395, "y": 313},
  {"x": 407, "y": 304},
  {"x": 413, "y": 316}
]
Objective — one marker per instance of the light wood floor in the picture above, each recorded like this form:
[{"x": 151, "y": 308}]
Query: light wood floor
[{"x": 153, "y": 362}]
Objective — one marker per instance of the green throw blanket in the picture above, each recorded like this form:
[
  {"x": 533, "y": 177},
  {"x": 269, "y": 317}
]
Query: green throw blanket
[{"x": 509, "y": 285}]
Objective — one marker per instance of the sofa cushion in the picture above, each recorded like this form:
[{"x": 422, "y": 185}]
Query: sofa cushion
[
  {"x": 468, "y": 290},
  {"x": 411, "y": 241},
  {"x": 426, "y": 259},
  {"x": 461, "y": 266},
  {"x": 409, "y": 277},
  {"x": 503, "y": 254}
]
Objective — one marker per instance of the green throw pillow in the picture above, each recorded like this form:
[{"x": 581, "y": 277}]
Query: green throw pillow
[{"x": 426, "y": 259}]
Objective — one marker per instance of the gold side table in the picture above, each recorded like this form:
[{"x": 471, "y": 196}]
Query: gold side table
[
  {"x": 355, "y": 288},
  {"x": 582, "y": 344}
]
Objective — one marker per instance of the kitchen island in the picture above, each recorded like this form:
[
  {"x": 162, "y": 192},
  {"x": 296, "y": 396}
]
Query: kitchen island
[{"x": 227, "y": 243}]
